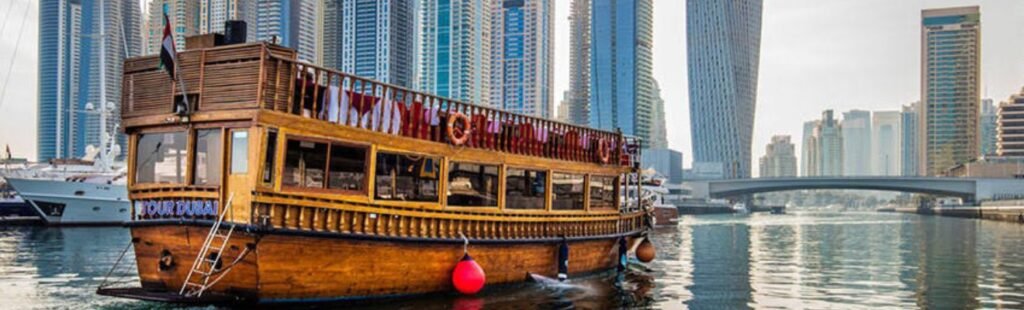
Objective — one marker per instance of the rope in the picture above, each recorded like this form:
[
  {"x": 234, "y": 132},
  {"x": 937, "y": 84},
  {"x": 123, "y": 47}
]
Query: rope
[
  {"x": 465, "y": 244},
  {"x": 17, "y": 44}
]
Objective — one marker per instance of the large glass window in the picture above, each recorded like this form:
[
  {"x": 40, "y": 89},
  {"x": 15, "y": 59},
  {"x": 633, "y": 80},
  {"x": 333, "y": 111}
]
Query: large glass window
[
  {"x": 406, "y": 177},
  {"x": 240, "y": 151},
  {"x": 602, "y": 192},
  {"x": 161, "y": 158},
  {"x": 524, "y": 189},
  {"x": 305, "y": 164},
  {"x": 568, "y": 191},
  {"x": 472, "y": 185},
  {"x": 348, "y": 168},
  {"x": 207, "y": 165},
  {"x": 268, "y": 158}
]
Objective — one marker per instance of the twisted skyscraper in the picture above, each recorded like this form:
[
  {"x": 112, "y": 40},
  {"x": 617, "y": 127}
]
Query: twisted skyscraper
[{"x": 723, "y": 39}]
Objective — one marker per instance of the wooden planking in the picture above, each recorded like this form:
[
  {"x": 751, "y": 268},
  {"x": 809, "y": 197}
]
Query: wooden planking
[
  {"x": 307, "y": 267},
  {"x": 184, "y": 242}
]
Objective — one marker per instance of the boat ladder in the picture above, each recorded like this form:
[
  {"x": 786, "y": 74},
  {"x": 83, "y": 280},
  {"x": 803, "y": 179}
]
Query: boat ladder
[{"x": 208, "y": 268}]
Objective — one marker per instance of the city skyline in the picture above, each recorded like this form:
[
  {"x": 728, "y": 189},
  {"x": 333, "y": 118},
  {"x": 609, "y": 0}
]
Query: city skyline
[{"x": 800, "y": 72}]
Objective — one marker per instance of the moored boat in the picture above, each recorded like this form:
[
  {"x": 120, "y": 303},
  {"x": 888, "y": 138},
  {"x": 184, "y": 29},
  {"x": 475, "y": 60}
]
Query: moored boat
[{"x": 272, "y": 180}]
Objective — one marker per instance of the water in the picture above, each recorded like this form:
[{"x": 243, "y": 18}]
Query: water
[{"x": 802, "y": 260}]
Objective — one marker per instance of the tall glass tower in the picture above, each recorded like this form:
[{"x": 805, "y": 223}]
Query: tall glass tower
[
  {"x": 378, "y": 40},
  {"x": 577, "y": 97},
  {"x": 621, "y": 81},
  {"x": 455, "y": 43},
  {"x": 723, "y": 39},
  {"x": 294, "y": 23},
  {"x": 81, "y": 53},
  {"x": 521, "y": 51},
  {"x": 950, "y": 80}
]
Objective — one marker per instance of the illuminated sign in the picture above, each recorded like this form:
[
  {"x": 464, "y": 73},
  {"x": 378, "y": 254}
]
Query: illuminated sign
[{"x": 175, "y": 208}]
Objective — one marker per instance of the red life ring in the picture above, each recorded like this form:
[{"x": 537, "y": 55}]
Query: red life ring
[
  {"x": 453, "y": 136},
  {"x": 604, "y": 150}
]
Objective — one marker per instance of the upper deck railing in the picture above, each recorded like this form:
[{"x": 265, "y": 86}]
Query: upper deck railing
[{"x": 265, "y": 76}]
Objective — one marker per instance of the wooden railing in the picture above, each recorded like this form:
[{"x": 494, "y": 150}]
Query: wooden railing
[{"x": 311, "y": 91}]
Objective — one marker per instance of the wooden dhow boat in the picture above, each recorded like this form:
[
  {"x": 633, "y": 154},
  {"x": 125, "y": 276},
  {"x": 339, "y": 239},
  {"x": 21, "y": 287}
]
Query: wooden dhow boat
[{"x": 272, "y": 180}]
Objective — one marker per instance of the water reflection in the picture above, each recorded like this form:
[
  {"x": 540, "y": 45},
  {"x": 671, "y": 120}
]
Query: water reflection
[{"x": 802, "y": 260}]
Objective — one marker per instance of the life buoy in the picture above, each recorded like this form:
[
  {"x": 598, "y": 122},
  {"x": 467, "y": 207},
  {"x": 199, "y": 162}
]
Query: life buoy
[
  {"x": 453, "y": 136},
  {"x": 604, "y": 150}
]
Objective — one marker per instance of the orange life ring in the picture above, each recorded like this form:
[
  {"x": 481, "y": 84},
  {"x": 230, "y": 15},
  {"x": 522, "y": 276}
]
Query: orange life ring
[
  {"x": 604, "y": 150},
  {"x": 454, "y": 137}
]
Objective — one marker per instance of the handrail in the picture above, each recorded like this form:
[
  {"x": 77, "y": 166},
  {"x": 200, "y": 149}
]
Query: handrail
[{"x": 377, "y": 106}]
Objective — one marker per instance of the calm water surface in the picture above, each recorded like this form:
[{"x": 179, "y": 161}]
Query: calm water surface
[{"x": 801, "y": 260}]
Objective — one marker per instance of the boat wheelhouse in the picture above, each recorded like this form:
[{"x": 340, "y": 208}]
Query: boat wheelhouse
[{"x": 269, "y": 179}]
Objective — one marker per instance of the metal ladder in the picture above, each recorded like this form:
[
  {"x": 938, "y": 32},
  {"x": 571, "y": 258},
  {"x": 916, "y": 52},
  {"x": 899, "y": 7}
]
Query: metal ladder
[{"x": 194, "y": 287}]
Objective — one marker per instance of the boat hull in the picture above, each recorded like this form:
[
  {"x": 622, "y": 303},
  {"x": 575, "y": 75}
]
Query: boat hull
[
  {"x": 299, "y": 266},
  {"x": 75, "y": 203}
]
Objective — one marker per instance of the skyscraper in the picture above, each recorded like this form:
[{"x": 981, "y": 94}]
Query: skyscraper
[
  {"x": 987, "y": 128},
  {"x": 857, "y": 143},
  {"x": 910, "y": 144},
  {"x": 294, "y": 23},
  {"x": 779, "y": 158},
  {"x": 950, "y": 80},
  {"x": 1011, "y": 126},
  {"x": 830, "y": 146},
  {"x": 184, "y": 16},
  {"x": 521, "y": 50},
  {"x": 214, "y": 13},
  {"x": 723, "y": 49},
  {"x": 659, "y": 133},
  {"x": 622, "y": 82},
  {"x": 577, "y": 98},
  {"x": 378, "y": 40},
  {"x": 809, "y": 150},
  {"x": 82, "y": 47},
  {"x": 455, "y": 42},
  {"x": 885, "y": 143}
]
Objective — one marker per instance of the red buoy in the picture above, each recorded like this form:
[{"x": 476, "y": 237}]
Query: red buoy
[
  {"x": 645, "y": 252},
  {"x": 468, "y": 277}
]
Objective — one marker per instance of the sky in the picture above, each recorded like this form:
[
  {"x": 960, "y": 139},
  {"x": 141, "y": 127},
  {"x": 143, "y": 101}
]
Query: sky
[{"x": 815, "y": 55}]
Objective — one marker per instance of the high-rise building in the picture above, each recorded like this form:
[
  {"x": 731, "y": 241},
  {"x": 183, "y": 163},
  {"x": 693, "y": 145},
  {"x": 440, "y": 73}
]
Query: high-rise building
[
  {"x": 829, "y": 140},
  {"x": 293, "y": 23},
  {"x": 455, "y": 49},
  {"x": 809, "y": 150},
  {"x": 779, "y": 158},
  {"x": 950, "y": 80},
  {"x": 621, "y": 78},
  {"x": 885, "y": 143},
  {"x": 910, "y": 145},
  {"x": 987, "y": 127},
  {"x": 723, "y": 50},
  {"x": 1011, "y": 126},
  {"x": 184, "y": 17},
  {"x": 376, "y": 39},
  {"x": 578, "y": 96},
  {"x": 659, "y": 134},
  {"x": 82, "y": 47},
  {"x": 214, "y": 13},
  {"x": 857, "y": 143},
  {"x": 522, "y": 33},
  {"x": 667, "y": 162}
]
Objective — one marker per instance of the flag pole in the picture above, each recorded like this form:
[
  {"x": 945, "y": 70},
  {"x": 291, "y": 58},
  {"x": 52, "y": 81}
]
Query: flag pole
[{"x": 181, "y": 83}]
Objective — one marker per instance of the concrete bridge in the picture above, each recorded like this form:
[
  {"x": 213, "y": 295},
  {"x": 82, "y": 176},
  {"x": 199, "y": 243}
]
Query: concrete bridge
[{"x": 970, "y": 189}]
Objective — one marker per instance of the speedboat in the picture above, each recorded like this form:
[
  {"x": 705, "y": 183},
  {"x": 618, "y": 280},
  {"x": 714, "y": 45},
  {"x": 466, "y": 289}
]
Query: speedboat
[{"x": 740, "y": 208}]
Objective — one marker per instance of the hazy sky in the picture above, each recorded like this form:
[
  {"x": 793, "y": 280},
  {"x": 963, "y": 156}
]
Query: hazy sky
[{"x": 815, "y": 55}]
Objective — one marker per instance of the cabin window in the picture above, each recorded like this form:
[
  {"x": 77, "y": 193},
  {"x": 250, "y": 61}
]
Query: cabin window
[
  {"x": 304, "y": 164},
  {"x": 207, "y": 166},
  {"x": 348, "y": 168},
  {"x": 268, "y": 158},
  {"x": 472, "y": 185},
  {"x": 240, "y": 151},
  {"x": 568, "y": 191},
  {"x": 161, "y": 158},
  {"x": 406, "y": 177},
  {"x": 602, "y": 192},
  {"x": 524, "y": 189}
]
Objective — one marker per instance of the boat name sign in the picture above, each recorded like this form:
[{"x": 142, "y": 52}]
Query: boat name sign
[{"x": 176, "y": 208}]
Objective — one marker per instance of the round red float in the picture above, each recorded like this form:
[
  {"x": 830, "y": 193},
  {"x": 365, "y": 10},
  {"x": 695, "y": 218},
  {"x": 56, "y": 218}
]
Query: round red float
[
  {"x": 468, "y": 277},
  {"x": 645, "y": 252}
]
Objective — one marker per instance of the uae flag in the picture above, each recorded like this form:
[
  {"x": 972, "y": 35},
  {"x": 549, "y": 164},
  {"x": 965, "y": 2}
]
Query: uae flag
[{"x": 167, "y": 52}]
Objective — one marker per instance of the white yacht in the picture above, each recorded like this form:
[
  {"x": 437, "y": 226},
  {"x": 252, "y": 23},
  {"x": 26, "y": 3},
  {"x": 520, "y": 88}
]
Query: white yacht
[
  {"x": 740, "y": 208},
  {"x": 87, "y": 191}
]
